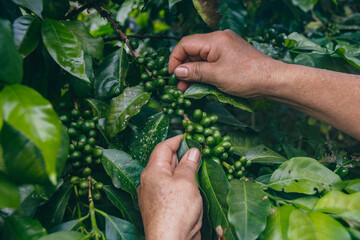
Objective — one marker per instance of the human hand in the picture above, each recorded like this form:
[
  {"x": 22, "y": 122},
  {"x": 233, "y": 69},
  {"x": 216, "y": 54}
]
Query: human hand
[
  {"x": 170, "y": 202},
  {"x": 225, "y": 60}
]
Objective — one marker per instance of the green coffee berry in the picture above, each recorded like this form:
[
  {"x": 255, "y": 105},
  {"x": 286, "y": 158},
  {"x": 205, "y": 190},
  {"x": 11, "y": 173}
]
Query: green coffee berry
[
  {"x": 218, "y": 150},
  {"x": 208, "y": 132},
  {"x": 149, "y": 86},
  {"x": 167, "y": 98},
  {"x": 199, "y": 128},
  {"x": 210, "y": 141},
  {"x": 134, "y": 43},
  {"x": 197, "y": 115},
  {"x": 75, "y": 180},
  {"x": 180, "y": 112},
  {"x": 140, "y": 60},
  {"x": 205, "y": 121},
  {"x": 172, "y": 80},
  {"x": 97, "y": 152},
  {"x": 144, "y": 76},
  {"x": 199, "y": 138},
  {"x": 84, "y": 184}
]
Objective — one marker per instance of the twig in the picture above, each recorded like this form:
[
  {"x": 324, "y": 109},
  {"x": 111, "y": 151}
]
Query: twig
[{"x": 139, "y": 36}]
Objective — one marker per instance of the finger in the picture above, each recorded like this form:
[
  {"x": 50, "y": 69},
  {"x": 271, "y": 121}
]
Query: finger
[
  {"x": 188, "y": 165},
  {"x": 162, "y": 154},
  {"x": 182, "y": 85},
  {"x": 194, "y": 45},
  {"x": 196, "y": 71},
  {"x": 174, "y": 162}
]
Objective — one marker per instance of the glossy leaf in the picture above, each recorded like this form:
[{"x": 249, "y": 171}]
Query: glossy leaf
[
  {"x": 11, "y": 62},
  {"x": 99, "y": 107},
  {"x": 91, "y": 45},
  {"x": 303, "y": 175},
  {"x": 353, "y": 186},
  {"x": 349, "y": 53},
  {"x": 264, "y": 155},
  {"x": 110, "y": 76},
  {"x": 243, "y": 142},
  {"x": 9, "y": 193},
  {"x": 305, "y": 5},
  {"x": 297, "y": 41},
  {"x": 36, "y": 6},
  {"x": 199, "y": 90},
  {"x": 215, "y": 186},
  {"x": 248, "y": 209},
  {"x": 208, "y": 11},
  {"x": 23, "y": 159},
  {"x": 155, "y": 131},
  {"x": 32, "y": 115},
  {"x": 292, "y": 151},
  {"x": 122, "y": 201},
  {"x": 185, "y": 146},
  {"x": 22, "y": 228},
  {"x": 233, "y": 16},
  {"x": 123, "y": 170},
  {"x": 173, "y": 2},
  {"x": 338, "y": 202},
  {"x": 307, "y": 202},
  {"x": 66, "y": 226},
  {"x": 123, "y": 107},
  {"x": 119, "y": 229},
  {"x": 63, "y": 151},
  {"x": 64, "y": 235},
  {"x": 26, "y": 33},
  {"x": 316, "y": 225},
  {"x": 278, "y": 224},
  {"x": 64, "y": 47}
]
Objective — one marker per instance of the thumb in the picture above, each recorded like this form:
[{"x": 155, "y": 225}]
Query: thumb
[
  {"x": 194, "y": 71},
  {"x": 189, "y": 164}
]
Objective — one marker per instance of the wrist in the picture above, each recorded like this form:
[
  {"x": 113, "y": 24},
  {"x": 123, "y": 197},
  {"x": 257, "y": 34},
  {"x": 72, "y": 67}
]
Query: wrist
[{"x": 163, "y": 230}]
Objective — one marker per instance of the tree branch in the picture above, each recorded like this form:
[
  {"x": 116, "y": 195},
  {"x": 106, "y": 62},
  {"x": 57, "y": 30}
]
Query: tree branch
[{"x": 139, "y": 36}]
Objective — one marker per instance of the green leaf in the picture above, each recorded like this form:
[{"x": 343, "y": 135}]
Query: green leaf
[
  {"x": 278, "y": 224},
  {"x": 200, "y": 90},
  {"x": 316, "y": 225},
  {"x": 243, "y": 142},
  {"x": 63, "y": 151},
  {"x": 36, "y": 6},
  {"x": 248, "y": 208},
  {"x": 123, "y": 107},
  {"x": 215, "y": 186},
  {"x": 155, "y": 131},
  {"x": 110, "y": 76},
  {"x": 233, "y": 16},
  {"x": 23, "y": 160},
  {"x": 173, "y": 2},
  {"x": 353, "y": 186},
  {"x": 303, "y": 175},
  {"x": 55, "y": 9},
  {"x": 32, "y": 115},
  {"x": 122, "y": 201},
  {"x": 264, "y": 155},
  {"x": 11, "y": 62},
  {"x": 55, "y": 208},
  {"x": 66, "y": 226},
  {"x": 91, "y": 45},
  {"x": 355, "y": 234},
  {"x": 9, "y": 193},
  {"x": 307, "y": 202},
  {"x": 22, "y": 228},
  {"x": 26, "y": 33},
  {"x": 208, "y": 11},
  {"x": 350, "y": 53},
  {"x": 185, "y": 146},
  {"x": 123, "y": 170},
  {"x": 118, "y": 229},
  {"x": 291, "y": 151},
  {"x": 64, "y": 235},
  {"x": 99, "y": 107},
  {"x": 299, "y": 42},
  {"x": 64, "y": 47},
  {"x": 338, "y": 202},
  {"x": 305, "y": 5}
]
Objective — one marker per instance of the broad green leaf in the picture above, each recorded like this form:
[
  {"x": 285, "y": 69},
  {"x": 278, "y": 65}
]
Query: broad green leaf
[
  {"x": 110, "y": 76},
  {"x": 355, "y": 234},
  {"x": 248, "y": 209},
  {"x": 55, "y": 208},
  {"x": 316, "y": 225},
  {"x": 64, "y": 235},
  {"x": 233, "y": 16},
  {"x": 66, "y": 226},
  {"x": 200, "y": 90},
  {"x": 173, "y": 2},
  {"x": 91, "y": 45},
  {"x": 154, "y": 131},
  {"x": 349, "y": 53},
  {"x": 278, "y": 224},
  {"x": 83, "y": 89},
  {"x": 299, "y": 42},
  {"x": 353, "y": 186},
  {"x": 185, "y": 146},
  {"x": 123, "y": 107},
  {"x": 264, "y": 155},
  {"x": 291, "y": 151},
  {"x": 22, "y": 228},
  {"x": 99, "y": 107},
  {"x": 307, "y": 202},
  {"x": 305, "y": 5},
  {"x": 11, "y": 62},
  {"x": 123, "y": 170},
  {"x": 32, "y": 115},
  {"x": 122, "y": 201},
  {"x": 215, "y": 186},
  {"x": 119, "y": 229},
  {"x": 243, "y": 142},
  {"x": 64, "y": 47},
  {"x": 36, "y": 6},
  {"x": 23, "y": 160},
  {"x": 55, "y": 9},
  {"x": 9, "y": 193},
  {"x": 351, "y": 217},
  {"x": 338, "y": 202},
  {"x": 26, "y": 33},
  {"x": 303, "y": 175},
  {"x": 208, "y": 11}
]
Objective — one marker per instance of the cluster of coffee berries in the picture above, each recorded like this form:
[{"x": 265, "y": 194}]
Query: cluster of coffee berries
[
  {"x": 81, "y": 128},
  {"x": 174, "y": 101},
  {"x": 83, "y": 184},
  {"x": 272, "y": 36},
  {"x": 235, "y": 169}
]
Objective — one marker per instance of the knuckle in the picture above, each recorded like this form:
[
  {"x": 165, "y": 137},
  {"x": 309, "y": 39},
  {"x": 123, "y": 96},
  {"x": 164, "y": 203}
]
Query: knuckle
[{"x": 197, "y": 74}]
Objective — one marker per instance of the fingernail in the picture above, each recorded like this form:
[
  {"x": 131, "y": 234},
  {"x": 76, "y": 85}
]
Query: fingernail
[
  {"x": 194, "y": 155},
  {"x": 181, "y": 72}
]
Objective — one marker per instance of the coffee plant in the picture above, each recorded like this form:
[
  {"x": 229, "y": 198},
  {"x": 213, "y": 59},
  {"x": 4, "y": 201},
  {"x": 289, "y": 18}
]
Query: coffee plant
[{"x": 86, "y": 96}]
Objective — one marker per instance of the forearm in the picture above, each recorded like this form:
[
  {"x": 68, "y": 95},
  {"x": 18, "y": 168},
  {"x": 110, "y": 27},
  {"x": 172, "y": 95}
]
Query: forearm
[{"x": 329, "y": 96}]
